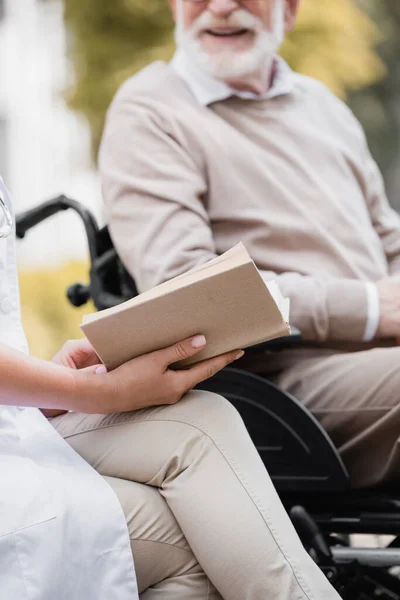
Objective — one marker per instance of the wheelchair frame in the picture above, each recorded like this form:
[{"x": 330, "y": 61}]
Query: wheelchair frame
[{"x": 302, "y": 461}]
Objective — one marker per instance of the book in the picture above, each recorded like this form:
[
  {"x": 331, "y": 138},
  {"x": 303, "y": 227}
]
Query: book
[{"x": 225, "y": 299}]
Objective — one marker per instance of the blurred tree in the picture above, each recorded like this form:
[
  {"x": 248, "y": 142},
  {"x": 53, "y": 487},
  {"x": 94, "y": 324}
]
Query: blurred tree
[
  {"x": 378, "y": 106},
  {"x": 335, "y": 43},
  {"x": 109, "y": 41}
]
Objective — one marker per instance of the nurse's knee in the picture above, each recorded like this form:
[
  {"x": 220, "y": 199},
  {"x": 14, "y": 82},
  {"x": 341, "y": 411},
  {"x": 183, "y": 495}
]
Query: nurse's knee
[{"x": 212, "y": 408}]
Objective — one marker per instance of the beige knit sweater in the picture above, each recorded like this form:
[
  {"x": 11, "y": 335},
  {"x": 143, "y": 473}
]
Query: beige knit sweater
[{"x": 291, "y": 177}]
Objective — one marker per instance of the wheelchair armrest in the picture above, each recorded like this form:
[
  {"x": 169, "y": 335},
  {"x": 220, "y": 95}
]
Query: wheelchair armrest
[{"x": 32, "y": 217}]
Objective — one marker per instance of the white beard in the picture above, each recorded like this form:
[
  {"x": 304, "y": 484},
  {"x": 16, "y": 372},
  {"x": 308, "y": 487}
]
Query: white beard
[{"x": 231, "y": 64}]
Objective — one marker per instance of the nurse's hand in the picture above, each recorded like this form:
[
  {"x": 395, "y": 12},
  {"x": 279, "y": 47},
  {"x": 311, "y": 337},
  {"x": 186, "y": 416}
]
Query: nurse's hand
[
  {"x": 77, "y": 354},
  {"x": 148, "y": 380}
]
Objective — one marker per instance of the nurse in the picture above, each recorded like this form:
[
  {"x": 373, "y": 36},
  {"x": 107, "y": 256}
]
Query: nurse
[{"x": 63, "y": 534}]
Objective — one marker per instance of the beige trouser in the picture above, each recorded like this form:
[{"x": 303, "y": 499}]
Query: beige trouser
[
  {"x": 356, "y": 397},
  {"x": 206, "y": 500}
]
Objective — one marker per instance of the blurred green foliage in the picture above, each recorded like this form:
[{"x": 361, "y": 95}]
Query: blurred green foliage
[
  {"x": 109, "y": 41},
  {"x": 377, "y": 106}
]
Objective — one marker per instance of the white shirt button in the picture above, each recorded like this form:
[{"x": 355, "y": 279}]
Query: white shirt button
[{"x": 6, "y": 305}]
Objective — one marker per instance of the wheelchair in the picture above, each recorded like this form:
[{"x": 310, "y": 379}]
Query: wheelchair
[{"x": 302, "y": 461}]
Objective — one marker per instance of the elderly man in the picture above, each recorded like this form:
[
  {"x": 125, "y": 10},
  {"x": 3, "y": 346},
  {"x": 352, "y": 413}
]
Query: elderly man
[{"x": 226, "y": 143}]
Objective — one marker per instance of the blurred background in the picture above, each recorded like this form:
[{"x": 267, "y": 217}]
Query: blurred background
[{"x": 61, "y": 62}]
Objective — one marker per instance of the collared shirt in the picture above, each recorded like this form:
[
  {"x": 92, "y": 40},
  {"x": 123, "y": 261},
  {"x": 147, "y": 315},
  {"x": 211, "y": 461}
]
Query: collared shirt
[{"x": 208, "y": 90}]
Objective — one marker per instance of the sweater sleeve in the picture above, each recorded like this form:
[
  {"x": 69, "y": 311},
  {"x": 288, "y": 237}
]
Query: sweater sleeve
[
  {"x": 385, "y": 220},
  {"x": 153, "y": 190},
  {"x": 325, "y": 309},
  {"x": 341, "y": 309},
  {"x": 347, "y": 309}
]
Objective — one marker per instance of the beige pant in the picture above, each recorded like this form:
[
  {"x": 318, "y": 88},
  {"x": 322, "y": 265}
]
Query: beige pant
[
  {"x": 201, "y": 496},
  {"x": 356, "y": 397}
]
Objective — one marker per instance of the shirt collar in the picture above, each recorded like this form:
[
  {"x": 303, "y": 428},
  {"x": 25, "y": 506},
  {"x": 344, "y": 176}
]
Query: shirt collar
[{"x": 207, "y": 90}]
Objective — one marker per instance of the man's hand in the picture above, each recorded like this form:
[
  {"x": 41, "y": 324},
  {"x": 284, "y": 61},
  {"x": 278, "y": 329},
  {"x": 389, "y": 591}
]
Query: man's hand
[
  {"x": 389, "y": 296},
  {"x": 148, "y": 380}
]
